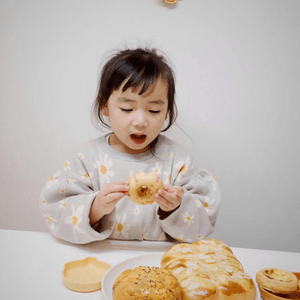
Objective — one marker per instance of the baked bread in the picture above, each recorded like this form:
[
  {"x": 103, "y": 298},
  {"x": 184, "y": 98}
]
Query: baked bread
[
  {"x": 143, "y": 187},
  {"x": 208, "y": 270},
  {"x": 277, "y": 280},
  {"x": 146, "y": 283}
]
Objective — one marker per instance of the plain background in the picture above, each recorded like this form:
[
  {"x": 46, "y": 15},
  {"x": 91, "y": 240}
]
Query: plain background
[{"x": 237, "y": 71}]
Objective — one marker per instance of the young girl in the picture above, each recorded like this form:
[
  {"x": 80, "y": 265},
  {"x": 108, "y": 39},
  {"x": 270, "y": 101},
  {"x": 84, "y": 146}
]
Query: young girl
[{"x": 88, "y": 199}]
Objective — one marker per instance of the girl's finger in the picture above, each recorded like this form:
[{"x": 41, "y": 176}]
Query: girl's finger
[
  {"x": 114, "y": 196},
  {"x": 120, "y": 188},
  {"x": 125, "y": 181},
  {"x": 179, "y": 191},
  {"x": 167, "y": 195},
  {"x": 115, "y": 187},
  {"x": 163, "y": 204},
  {"x": 168, "y": 187}
]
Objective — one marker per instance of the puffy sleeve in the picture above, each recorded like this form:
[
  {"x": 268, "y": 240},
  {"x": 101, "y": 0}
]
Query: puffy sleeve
[
  {"x": 195, "y": 218},
  {"x": 66, "y": 201}
]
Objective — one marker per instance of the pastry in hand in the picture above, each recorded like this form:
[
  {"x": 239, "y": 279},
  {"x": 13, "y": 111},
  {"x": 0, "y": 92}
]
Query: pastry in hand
[{"x": 143, "y": 187}]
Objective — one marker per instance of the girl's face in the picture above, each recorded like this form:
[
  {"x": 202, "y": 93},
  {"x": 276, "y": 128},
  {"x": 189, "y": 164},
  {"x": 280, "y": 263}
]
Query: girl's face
[{"x": 136, "y": 120}]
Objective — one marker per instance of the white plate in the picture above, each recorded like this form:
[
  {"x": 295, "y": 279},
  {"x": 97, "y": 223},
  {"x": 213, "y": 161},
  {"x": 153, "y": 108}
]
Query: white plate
[{"x": 151, "y": 260}]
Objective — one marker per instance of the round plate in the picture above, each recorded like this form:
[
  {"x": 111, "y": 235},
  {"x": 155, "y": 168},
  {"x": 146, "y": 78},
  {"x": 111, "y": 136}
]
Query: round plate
[{"x": 150, "y": 260}]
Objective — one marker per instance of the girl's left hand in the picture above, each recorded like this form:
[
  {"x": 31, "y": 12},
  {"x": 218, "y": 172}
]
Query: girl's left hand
[{"x": 169, "y": 198}]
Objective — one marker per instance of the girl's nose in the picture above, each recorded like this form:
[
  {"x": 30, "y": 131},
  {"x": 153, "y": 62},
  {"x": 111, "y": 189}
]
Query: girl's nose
[{"x": 140, "y": 120}]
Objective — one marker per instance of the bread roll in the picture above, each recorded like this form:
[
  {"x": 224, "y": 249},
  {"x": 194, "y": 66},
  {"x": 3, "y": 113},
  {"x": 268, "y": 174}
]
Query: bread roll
[
  {"x": 208, "y": 270},
  {"x": 149, "y": 283}
]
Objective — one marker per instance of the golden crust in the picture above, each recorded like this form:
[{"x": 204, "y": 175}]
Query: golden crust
[
  {"x": 208, "y": 269},
  {"x": 146, "y": 283},
  {"x": 143, "y": 187},
  {"x": 277, "y": 280}
]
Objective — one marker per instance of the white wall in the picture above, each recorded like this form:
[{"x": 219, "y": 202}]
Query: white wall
[{"x": 238, "y": 70}]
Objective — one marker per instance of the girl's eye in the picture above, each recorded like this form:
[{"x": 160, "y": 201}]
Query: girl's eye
[
  {"x": 155, "y": 111},
  {"x": 126, "y": 110}
]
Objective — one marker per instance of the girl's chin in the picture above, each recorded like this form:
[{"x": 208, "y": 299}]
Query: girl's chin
[{"x": 138, "y": 148}]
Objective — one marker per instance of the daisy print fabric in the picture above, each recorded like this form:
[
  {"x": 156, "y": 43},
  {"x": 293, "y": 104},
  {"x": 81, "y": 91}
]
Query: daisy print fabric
[
  {"x": 121, "y": 227},
  {"x": 103, "y": 165},
  {"x": 68, "y": 194}
]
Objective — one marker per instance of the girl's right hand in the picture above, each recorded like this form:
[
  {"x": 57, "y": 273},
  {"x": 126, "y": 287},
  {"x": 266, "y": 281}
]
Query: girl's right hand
[{"x": 109, "y": 195}]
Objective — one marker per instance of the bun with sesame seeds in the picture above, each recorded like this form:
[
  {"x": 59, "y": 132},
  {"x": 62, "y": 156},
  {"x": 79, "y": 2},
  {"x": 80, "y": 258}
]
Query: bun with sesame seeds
[
  {"x": 149, "y": 283},
  {"x": 208, "y": 270},
  {"x": 143, "y": 187}
]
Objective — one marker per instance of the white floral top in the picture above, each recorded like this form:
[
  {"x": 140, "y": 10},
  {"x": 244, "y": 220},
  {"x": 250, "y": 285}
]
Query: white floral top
[{"x": 67, "y": 196}]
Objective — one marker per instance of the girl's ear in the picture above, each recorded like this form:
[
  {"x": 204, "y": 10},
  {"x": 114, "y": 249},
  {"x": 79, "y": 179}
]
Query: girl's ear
[{"x": 104, "y": 111}]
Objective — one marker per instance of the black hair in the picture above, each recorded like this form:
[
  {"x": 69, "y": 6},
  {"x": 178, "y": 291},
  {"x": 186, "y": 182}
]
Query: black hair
[{"x": 141, "y": 68}]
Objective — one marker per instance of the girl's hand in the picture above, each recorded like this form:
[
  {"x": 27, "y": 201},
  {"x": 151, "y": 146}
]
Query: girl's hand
[
  {"x": 109, "y": 195},
  {"x": 169, "y": 198}
]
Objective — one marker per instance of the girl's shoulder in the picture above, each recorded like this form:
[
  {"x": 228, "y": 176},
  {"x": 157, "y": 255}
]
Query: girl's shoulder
[
  {"x": 89, "y": 147},
  {"x": 165, "y": 144}
]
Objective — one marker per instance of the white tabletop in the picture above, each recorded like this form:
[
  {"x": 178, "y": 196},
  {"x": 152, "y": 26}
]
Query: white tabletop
[{"x": 31, "y": 263}]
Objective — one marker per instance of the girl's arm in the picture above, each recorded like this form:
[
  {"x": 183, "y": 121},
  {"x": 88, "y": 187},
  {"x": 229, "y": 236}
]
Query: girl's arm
[
  {"x": 70, "y": 203},
  {"x": 193, "y": 215}
]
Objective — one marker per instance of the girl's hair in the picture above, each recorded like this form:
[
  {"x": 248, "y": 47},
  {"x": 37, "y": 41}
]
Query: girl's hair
[{"x": 141, "y": 68}]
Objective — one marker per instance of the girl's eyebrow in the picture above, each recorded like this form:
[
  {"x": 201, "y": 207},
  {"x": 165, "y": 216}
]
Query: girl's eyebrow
[
  {"x": 124, "y": 99},
  {"x": 162, "y": 102}
]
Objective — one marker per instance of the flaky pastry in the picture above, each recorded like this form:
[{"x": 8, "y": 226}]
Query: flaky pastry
[{"x": 208, "y": 270}]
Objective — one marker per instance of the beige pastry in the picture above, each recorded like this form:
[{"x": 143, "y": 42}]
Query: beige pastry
[
  {"x": 208, "y": 270},
  {"x": 149, "y": 283},
  {"x": 277, "y": 280},
  {"x": 143, "y": 187}
]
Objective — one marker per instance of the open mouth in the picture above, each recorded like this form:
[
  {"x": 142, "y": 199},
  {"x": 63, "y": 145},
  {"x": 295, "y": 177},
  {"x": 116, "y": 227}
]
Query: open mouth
[{"x": 138, "y": 138}]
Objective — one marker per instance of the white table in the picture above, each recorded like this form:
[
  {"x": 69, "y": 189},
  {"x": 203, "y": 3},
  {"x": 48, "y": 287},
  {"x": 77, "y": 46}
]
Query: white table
[{"x": 31, "y": 263}]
